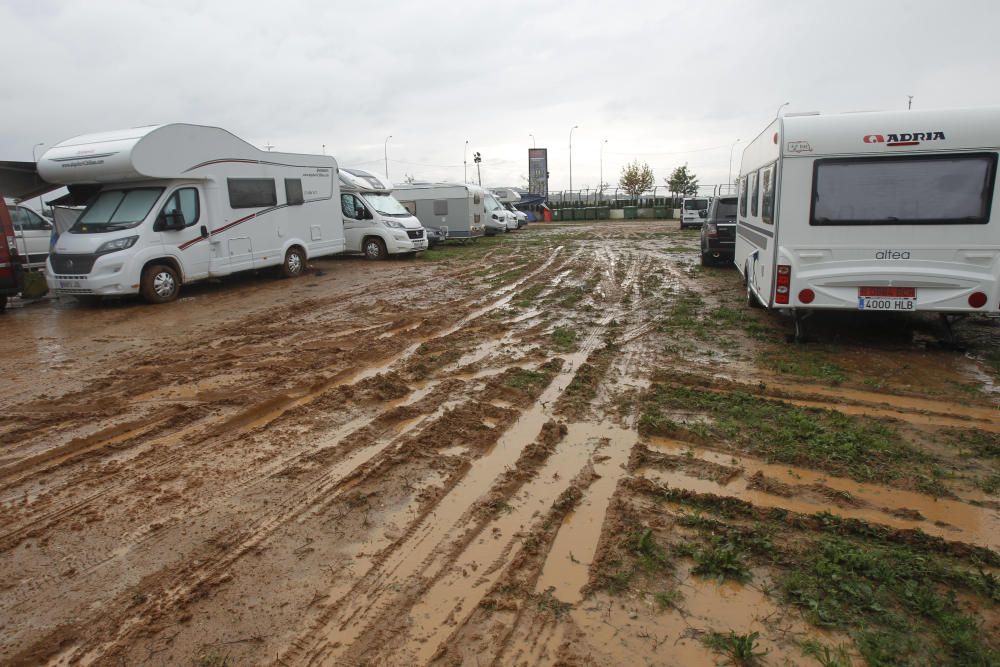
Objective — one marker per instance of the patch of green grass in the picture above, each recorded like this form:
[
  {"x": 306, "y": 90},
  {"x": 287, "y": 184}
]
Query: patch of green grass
[
  {"x": 454, "y": 250},
  {"x": 825, "y": 656},
  {"x": 650, "y": 555},
  {"x": 668, "y": 599},
  {"x": 990, "y": 484},
  {"x": 863, "y": 448},
  {"x": 719, "y": 560},
  {"x": 527, "y": 297},
  {"x": 806, "y": 364},
  {"x": 740, "y": 649},
  {"x": 564, "y": 339},
  {"x": 526, "y": 380},
  {"x": 979, "y": 443},
  {"x": 508, "y": 276},
  {"x": 900, "y": 603}
]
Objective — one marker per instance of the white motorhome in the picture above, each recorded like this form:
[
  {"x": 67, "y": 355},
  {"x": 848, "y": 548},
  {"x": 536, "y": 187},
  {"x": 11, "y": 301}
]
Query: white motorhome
[
  {"x": 507, "y": 198},
  {"x": 172, "y": 204},
  {"x": 495, "y": 212},
  {"x": 872, "y": 211},
  {"x": 455, "y": 206},
  {"x": 375, "y": 223}
]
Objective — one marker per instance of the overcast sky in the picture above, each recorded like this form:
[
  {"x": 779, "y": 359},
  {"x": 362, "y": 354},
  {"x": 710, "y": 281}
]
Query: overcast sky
[{"x": 664, "y": 82}]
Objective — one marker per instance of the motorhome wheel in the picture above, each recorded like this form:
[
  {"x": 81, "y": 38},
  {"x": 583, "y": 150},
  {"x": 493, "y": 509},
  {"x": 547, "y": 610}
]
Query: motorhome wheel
[
  {"x": 375, "y": 248},
  {"x": 294, "y": 264},
  {"x": 159, "y": 284}
]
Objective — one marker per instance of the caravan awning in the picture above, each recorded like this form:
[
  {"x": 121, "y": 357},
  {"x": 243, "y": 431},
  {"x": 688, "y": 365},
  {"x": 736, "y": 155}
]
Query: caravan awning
[{"x": 20, "y": 181}]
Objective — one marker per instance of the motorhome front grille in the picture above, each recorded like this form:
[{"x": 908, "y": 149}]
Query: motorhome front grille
[
  {"x": 75, "y": 264},
  {"x": 67, "y": 290},
  {"x": 415, "y": 233},
  {"x": 61, "y": 277}
]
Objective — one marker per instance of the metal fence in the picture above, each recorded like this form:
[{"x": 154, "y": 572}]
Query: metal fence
[{"x": 618, "y": 198}]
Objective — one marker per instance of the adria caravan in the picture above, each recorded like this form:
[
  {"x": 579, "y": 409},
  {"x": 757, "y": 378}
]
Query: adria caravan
[
  {"x": 454, "y": 207},
  {"x": 872, "y": 211},
  {"x": 172, "y": 204}
]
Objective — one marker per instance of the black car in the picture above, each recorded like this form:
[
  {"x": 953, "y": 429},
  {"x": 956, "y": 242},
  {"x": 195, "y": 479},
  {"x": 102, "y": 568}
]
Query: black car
[
  {"x": 435, "y": 236},
  {"x": 718, "y": 234}
]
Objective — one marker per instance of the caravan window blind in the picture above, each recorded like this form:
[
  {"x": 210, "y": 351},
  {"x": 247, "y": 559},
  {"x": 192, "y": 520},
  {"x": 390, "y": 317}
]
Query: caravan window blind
[
  {"x": 252, "y": 192},
  {"x": 904, "y": 190}
]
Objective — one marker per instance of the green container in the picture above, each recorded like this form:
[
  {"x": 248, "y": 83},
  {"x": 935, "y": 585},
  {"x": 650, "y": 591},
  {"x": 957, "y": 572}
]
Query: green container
[
  {"x": 660, "y": 212},
  {"x": 556, "y": 214},
  {"x": 569, "y": 214},
  {"x": 34, "y": 285},
  {"x": 590, "y": 213},
  {"x": 631, "y": 212},
  {"x": 603, "y": 212}
]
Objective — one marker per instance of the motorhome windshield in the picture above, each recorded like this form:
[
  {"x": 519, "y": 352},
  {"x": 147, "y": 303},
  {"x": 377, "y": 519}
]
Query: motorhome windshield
[
  {"x": 386, "y": 205},
  {"x": 116, "y": 209},
  {"x": 918, "y": 189},
  {"x": 490, "y": 204},
  {"x": 696, "y": 204}
]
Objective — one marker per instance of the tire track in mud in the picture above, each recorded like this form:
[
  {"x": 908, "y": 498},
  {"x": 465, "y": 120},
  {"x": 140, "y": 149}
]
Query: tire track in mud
[
  {"x": 432, "y": 547},
  {"x": 317, "y": 493}
]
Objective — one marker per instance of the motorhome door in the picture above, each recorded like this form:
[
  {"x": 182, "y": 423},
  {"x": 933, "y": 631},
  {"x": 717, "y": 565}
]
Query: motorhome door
[{"x": 182, "y": 224}]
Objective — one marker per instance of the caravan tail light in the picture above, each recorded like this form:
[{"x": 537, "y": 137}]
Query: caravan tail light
[
  {"x": 712, "y": 230},
  {"x": 784, "y": 283},
  {"x": 807, "y": 296},
  {"x": 977, "y": 299}
]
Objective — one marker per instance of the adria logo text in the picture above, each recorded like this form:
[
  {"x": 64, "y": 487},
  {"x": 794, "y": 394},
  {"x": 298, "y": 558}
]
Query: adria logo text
[{"x": 903, "y": 138}]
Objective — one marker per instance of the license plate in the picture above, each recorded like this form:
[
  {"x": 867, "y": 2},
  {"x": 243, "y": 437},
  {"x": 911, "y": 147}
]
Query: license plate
[
  {"x": 69, "y": 284},
  {"x": 903, "y": 299}
]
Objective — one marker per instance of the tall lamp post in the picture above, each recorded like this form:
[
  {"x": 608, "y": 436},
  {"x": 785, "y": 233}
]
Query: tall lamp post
[
  {"x": 532, "y": 140},
  {"x": 386, "y": 151},
  {"x": 41, "y": 207},
  {"x": 465, "y": 163},
  {"x": 571, "y": 159},
  {"x": 778, "y": 112},
  {"x": 731, "y": 163},
  {"x": 600, "y": 183}
]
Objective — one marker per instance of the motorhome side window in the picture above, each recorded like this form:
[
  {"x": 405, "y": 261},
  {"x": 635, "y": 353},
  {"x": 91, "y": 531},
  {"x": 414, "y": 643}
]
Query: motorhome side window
[
  {"x": 767, "y": 201},
  {"x": 754, "y": 193},
  {"x": 185, "y": 202},
  {"x": 252, "y": 192},
  {"x": 900, "y": 190},
  {"x": 293, "y": 191},
  {"x": 743, "y": 196},
  {"x": 441, "y": 206},
  {"x": 347, "y": 205},
  {"x": 476, "y": 199}
]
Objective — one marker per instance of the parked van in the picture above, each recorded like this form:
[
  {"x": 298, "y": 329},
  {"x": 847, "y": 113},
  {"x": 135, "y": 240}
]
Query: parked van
[
  {"x": 32, "y": 234},
  {"x": 694, "y": 210},
  {"x": 455, "y": 206},
  {"x": 872, "y": 211},
  {"x": 375, "y": 223},
  {"x": 172, "y": 204},
  {"x": 496, "y": 213}
]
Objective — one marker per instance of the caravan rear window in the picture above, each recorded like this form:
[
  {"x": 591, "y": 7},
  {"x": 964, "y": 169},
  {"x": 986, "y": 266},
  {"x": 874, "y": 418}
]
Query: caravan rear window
[
  {"x": 252, "y": 192},
  {"x": 904, "y": 190}
]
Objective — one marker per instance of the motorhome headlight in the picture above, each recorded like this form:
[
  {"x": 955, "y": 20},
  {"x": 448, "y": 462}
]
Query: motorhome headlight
[
  {"x": 117, "y": 244},
  {"x": 395, "y": 224}
]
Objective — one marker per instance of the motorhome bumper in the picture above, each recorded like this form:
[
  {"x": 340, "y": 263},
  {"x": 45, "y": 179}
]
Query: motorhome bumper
[{"x": 108, "y": 276}]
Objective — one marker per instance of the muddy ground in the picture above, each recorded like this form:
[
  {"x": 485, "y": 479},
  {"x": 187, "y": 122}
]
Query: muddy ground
[{"x": 572, "y": 445}]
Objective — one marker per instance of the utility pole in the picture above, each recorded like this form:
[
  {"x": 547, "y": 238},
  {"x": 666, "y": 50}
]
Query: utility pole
[
  {"x": 41, "y": 206},
  {"x": 532, "y": 140},
  {"x": 477, "y": 158},
  {"x": 385, "y": 148},
  {"x": 909, "y": 102},
  {"x": 571, "y": 159},
  {"x": 731, "y": 165},
  {"x": 465, "y": 163},
  {"x": 600, "y": 183}
]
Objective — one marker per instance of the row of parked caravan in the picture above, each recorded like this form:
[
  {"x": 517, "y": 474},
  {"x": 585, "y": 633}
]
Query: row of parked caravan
[{"x": 150, "y": 209}]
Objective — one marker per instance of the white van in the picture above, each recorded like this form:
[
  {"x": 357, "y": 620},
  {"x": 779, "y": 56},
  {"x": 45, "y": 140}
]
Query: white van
[
  {"x": 693, "y": 211},
  {"x": 375, "y": 223},
  {"x": 32, "y": 235},
  {"x": 496, "y": 213},
  {"x": 172, "y": 204},
  {"x": 456, "y": 207},
  {"x": 872, "y": 211}
]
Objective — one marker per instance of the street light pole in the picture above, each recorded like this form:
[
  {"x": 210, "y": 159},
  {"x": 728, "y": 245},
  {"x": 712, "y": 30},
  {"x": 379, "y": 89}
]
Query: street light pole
[
  {"x": 778, "y": 112},
  {"x": 571, "y": 159},
  {"x": 532, "y": 140},
  {"x": 465, "y": 163},
  {"x": 600, "y": 182},
  {"x": 386, "y": 151},
  {"x": 731, "y": 164}
]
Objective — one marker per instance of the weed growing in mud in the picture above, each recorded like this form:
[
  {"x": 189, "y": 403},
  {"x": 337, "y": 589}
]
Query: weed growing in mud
[
  {"x": 740, "y": 649},
  {"x": 973, "y": 441},
  {"x": 564, "y": 339},
  {"x": 825, "y": 656},
  {"x": 526, "y": 298},
  {"x": 719, "y": 560},
  {"x": 900, "y": 604},
  {"x": 526, "y": 380},
  {"x": 990, "y": 484},
  {"x": 863, "y": 448},
  {"x": 548, "y": 601},
  {"x": 804, "y": 363},
  {"x": 650, "y": 555},
  {"x": 668, "y": 599}
]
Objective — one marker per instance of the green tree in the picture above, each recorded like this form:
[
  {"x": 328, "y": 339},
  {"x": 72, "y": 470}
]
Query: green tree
[
  {"x": 636, "y": 178},
  {"x": 683, "y": 182}
]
